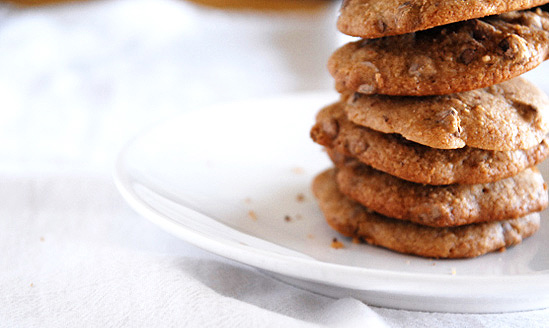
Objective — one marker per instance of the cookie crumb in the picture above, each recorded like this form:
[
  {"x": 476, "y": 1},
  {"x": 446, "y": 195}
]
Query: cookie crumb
[
  {"x": 287, "y": 218},
  {"x": 252, "y": 215},
  {"x": 300, "y": 198},
  {"x": 408, "y": 262},
  {"x": 298, "y": 170},
  {"x": 336, "y": 244},
  {"x": 42, "y": 239},
  {"x": 31, "y": 284},
  {"x": 453, "y": 271},
  {"x": 311, "y": 236}
]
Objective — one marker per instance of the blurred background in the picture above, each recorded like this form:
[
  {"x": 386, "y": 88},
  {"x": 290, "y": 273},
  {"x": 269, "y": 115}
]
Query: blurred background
[{"x": 79, "y": 78}]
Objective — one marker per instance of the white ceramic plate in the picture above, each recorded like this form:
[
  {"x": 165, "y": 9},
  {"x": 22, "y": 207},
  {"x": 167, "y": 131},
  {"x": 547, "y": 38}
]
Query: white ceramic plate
[{"x": 235, "y": 179}]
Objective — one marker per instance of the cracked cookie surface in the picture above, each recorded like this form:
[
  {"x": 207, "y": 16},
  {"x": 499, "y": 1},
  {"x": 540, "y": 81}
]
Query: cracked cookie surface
[
  {"x": 379, "y": 18},
  {"x": 411, "y": 161},
  {"x": 507, "y": 116},
  {"x": 354, "y": 220},
  {"x": 448, "y": 59},
  {"x": 443, "y": 206}
]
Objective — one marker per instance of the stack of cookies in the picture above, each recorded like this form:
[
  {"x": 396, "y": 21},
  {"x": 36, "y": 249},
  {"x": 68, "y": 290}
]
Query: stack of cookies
[{"x": 435, "y": 137}]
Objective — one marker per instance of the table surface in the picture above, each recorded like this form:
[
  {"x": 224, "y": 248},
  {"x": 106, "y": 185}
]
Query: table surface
[{"x": 77, "y": 81}]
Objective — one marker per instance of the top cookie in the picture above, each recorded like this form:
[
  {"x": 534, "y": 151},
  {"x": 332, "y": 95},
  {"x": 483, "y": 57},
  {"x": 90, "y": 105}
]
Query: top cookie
[
  {"x": 508, "y": 116},
  {"x": 452, "y": 58},
  {"x": 378, "y": 18}
]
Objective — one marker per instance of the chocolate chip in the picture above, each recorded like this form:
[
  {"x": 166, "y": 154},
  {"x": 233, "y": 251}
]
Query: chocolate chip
[
  {"x": 504, "y": 45},
  {"x": 414, "y": 69},
  {"x": 421, "y": 66},
  {"x": 409, "y": 7},
  {"x": 404, "y": 5},
  {"x": 479, "y": 34},
  {"x": 509, "y": 47},
  {"x": 360, "y": 146},
  {"x": 331, "y": 128},
  {"x": 381, "y": 26},
  {"x": 467, "y": 56},
  {"x": 367, "y": 88},
  {"x": 525, "y": 109}
]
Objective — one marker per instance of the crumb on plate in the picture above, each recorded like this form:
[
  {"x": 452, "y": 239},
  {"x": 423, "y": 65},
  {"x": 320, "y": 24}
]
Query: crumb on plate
[{"x": 336, "y": 244}]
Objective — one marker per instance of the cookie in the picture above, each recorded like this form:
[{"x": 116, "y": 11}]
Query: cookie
[
  {"x": 507, "y": 116},
  {"x": 411, "y": 161},
  {"x": 378, "y": 18},
  {"x": 443, "y": 206},
  {"x": 354, "y": 220},
  {"x": 448, "y": 59}
]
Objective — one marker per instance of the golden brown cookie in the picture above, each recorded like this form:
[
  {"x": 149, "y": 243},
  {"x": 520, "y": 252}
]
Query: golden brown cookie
[
  {"x": 378, "y": 18},
  {"x": 443, "y": 206},
  {"x": 448, "y": 59},
  {"x": 507, "y": 116},
  {"x": 354, "y": 220},
  {"x": 411, "y": 161}
]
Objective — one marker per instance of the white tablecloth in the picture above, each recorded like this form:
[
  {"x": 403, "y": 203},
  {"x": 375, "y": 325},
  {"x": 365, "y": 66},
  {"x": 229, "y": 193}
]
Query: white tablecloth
[{"x": 76, "y": 82}]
